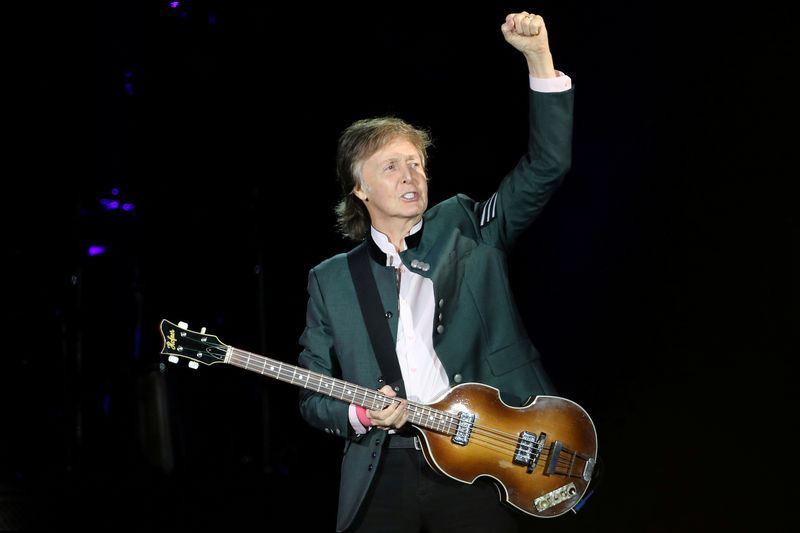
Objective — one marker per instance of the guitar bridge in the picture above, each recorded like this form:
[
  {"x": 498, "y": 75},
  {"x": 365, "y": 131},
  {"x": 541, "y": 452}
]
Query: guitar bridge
[{"x": 529, "y": 449}]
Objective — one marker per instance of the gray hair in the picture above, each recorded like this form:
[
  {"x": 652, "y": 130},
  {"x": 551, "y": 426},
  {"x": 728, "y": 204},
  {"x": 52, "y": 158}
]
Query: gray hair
[{"x": 356, "y": 144}]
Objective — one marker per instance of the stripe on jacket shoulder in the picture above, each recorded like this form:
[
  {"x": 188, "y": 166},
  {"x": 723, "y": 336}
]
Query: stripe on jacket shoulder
[{"x": 489, "y": 210}]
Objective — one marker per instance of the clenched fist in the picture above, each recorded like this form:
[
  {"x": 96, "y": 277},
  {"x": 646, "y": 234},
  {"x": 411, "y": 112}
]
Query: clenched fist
[{"x": 527, "y": 33}]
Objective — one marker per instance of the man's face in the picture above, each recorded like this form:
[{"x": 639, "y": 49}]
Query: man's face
[{"x": 394, "y": 184}]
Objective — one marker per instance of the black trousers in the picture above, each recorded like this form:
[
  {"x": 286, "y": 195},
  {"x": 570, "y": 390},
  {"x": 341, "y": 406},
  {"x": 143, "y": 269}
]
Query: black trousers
[{"x": 407, "y": 496}]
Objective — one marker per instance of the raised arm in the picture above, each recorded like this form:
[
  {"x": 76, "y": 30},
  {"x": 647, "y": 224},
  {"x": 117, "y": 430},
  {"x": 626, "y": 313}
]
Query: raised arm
[
  {"x": 527, "y": 33},
  {"x": 524, "y": 192}
]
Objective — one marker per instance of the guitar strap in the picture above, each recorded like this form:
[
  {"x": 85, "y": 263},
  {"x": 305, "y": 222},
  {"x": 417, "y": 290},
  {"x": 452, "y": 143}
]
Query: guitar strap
[{"x": 375, "y": 318}]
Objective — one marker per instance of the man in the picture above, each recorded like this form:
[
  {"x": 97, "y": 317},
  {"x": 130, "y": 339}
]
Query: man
[{"x": 444, "y": 293}]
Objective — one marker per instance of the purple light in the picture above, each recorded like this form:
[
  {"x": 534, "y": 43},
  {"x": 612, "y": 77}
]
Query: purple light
[
  {"x": 96, "y": 250},
  {"x": 109, "y": 204},
  {"x": 174, "y": 4}
]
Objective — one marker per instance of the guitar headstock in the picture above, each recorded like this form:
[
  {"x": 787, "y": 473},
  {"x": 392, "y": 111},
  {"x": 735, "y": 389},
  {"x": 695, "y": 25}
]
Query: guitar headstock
[{"x": 197, "y": 347}]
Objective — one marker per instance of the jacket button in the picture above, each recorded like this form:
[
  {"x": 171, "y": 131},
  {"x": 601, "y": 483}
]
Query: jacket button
[
  {"x": 369, "y": 467},
  {"x": 388, "y": 314},
  {"x": 441, "y": 302},
  {"x": 439, "y": 328},
  {"x": 457, "y": 378}
]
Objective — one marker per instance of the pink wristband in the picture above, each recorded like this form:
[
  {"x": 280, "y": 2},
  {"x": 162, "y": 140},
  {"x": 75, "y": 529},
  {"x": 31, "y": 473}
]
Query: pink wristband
[{"x": 361, "y": 413}]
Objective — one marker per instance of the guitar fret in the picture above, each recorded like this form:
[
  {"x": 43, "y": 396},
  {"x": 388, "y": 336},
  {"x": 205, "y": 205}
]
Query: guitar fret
[
  {"x": 363, "y": 396},
  {"x": 377, "y": 402}
]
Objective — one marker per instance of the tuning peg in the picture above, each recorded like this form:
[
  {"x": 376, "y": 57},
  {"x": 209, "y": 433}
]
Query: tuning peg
[
  {"x": 172, "y": 358},
  {"x": 203, "y": 330},
  {"x": 183, "y": 325},
  {"x": 193, "y": 365}
]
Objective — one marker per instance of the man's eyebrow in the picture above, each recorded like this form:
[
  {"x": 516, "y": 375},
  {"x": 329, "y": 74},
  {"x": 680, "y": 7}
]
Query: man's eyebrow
[{"x": 399, "y": 157}]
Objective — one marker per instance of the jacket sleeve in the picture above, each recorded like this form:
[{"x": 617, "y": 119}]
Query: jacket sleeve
[
  {"x": 525, "y": 190},
  {"x": 318, "y": 355}
]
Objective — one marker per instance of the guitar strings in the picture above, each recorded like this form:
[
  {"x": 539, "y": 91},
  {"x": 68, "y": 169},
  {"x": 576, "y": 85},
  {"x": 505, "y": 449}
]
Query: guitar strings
[
  {"x": 507, "y": 447},
  {"x": 499, "y": 441},
  {"x": 435, "y": 419},
  {"x": 489, "y": 438},
  {"x": 245, "y": 359},
  {"x": 562, "y": 461}
]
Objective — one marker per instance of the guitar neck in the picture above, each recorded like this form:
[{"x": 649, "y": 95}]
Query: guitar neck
[{"x": 419, "y": 414}]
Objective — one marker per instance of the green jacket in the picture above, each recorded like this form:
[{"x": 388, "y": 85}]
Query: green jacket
[{"x": 478, "y": 333}]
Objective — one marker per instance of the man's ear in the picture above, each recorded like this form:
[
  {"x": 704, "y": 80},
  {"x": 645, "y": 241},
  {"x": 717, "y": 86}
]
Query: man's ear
[{"x": 359, "y": 192}]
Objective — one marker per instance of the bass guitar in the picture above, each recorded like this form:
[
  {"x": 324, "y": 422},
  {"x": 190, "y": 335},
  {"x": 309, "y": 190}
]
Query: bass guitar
[{"x": 541, "y": 456}]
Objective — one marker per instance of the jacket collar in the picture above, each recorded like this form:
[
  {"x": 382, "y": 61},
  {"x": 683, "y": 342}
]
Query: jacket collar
[{"x": 412, "y": 241}]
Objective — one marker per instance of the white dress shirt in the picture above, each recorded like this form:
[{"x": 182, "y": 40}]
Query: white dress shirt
[{"x": 424, "y": 376}]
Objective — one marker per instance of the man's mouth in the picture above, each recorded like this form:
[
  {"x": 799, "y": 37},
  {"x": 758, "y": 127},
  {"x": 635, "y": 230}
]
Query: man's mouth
[{"x": 409, "y": 196}]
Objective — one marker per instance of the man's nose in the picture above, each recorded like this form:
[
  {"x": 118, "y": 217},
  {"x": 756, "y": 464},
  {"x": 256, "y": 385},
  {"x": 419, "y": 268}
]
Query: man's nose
[{"x": 409, "y": 173}]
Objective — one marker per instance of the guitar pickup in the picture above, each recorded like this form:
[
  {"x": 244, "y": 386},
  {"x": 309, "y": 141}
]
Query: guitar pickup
[
  {"x": 464, "y": 429},
  {"x": 529, "y": 449}
]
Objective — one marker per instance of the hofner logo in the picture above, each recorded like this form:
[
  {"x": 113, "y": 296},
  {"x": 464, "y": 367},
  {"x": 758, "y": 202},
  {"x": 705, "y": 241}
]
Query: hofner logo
[{"x": 171, "y": 340}]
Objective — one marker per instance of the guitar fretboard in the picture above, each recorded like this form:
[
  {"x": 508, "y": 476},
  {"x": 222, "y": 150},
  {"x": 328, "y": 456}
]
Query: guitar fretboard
[{"x": 419, "y": 414}]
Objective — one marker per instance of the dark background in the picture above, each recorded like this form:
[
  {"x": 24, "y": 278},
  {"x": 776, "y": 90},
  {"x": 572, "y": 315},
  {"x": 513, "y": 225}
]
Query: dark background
[{"x": 656, "y": 284}]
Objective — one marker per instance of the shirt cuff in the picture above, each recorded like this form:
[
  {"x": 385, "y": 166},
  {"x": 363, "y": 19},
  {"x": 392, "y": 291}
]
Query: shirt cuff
[
  {"x": 355, "y": 423},
  {"x": 560, "y": 83}
]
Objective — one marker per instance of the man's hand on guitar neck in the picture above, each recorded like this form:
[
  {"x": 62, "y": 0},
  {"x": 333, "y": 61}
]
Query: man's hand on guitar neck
[{"x": 392, "y": 417}]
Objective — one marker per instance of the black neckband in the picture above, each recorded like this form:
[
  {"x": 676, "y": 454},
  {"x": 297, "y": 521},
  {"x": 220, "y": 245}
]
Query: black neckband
[{"x": 412, "y": 241}]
